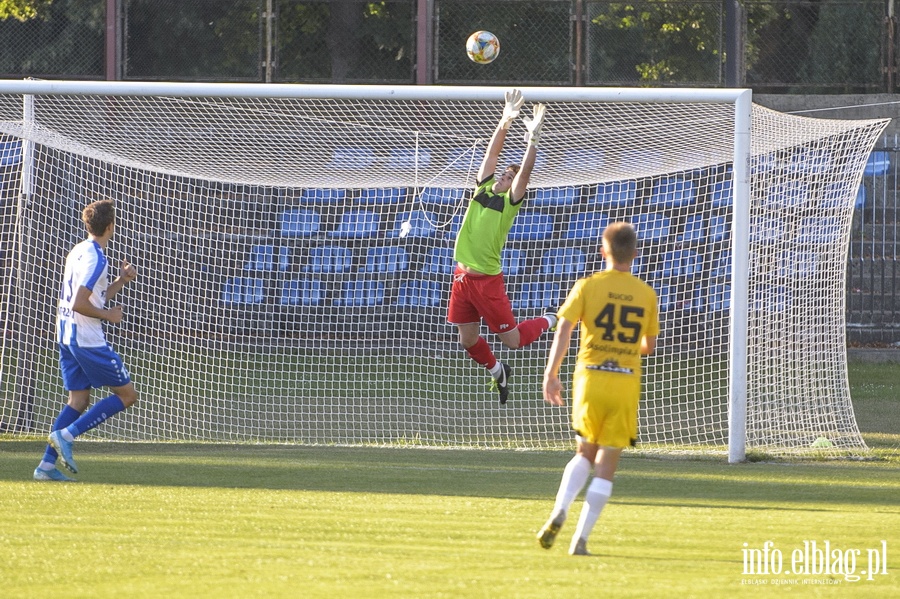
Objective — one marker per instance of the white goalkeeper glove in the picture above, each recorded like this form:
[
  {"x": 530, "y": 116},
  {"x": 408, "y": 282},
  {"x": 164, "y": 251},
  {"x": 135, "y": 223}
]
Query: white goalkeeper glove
[
  {"x": 514, "y": 101},
  {"x": 533, "y": 125}
]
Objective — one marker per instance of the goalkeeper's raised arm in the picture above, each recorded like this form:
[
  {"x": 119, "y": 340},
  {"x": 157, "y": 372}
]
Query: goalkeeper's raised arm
[{"x": 478, "y": 290}]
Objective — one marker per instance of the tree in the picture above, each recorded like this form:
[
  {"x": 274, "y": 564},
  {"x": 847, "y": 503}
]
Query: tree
[
  {"x": 844, "y": 49},
  {"x": 23, "y": 10}
]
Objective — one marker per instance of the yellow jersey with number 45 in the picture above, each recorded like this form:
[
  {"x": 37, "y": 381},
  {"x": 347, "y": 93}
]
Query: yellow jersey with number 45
[{"x": 616, "y": 310}]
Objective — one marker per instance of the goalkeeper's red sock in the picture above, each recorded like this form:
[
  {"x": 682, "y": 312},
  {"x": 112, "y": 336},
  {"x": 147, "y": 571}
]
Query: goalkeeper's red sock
[
  {"x": 530, "y": 330},
  {"x": 481, "y": 353}
]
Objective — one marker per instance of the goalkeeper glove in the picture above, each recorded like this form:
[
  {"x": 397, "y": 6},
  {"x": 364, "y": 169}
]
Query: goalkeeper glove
[
  {"x": 514, "y": 101},
  {"x": 533, "y": 125}
]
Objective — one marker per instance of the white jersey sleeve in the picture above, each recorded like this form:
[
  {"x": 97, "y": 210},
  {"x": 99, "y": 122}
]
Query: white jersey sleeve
[{"x": 86, "y": 266}]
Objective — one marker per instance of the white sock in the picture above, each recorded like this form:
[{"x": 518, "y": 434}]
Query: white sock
[
  {"x": 574, "y": 476},
  {"x": 46, "y": 466},
  {"x": 65, "y": 434},
  {"x": 497, "y": 370},
  {"x": 595, "y": 499}
]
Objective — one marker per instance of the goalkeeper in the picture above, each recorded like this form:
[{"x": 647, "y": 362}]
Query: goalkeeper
[{"x": 478, "y": 290}]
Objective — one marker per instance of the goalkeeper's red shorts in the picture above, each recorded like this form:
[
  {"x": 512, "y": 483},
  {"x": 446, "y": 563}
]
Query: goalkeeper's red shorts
[{"x": 476, "y": 297}]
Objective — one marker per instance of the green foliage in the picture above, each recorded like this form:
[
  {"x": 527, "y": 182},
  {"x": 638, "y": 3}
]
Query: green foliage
[
  {"x": 534, "y": 42},
  {"x": 61, "y": 36},
  {"x": 656, "y": 42},
  {"x": 23, "y": 10},
  {"x": 844, "y": 48}
]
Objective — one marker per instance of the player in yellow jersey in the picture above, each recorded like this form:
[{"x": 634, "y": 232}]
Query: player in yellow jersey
[
  {"x": 619, "y": 324},
  {"x": 478, "y": 290}
]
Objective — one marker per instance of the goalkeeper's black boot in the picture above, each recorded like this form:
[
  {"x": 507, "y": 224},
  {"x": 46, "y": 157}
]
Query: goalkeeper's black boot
[{"x": 502, "y": 384}]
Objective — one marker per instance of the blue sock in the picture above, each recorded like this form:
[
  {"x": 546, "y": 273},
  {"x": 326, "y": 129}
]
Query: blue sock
[
  {"x": 67, "y": 416},
  {"x": 97, "y": 414}
]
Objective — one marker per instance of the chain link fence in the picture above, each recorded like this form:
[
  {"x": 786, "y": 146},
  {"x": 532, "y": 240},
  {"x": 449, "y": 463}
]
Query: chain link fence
[{"x": 786, "y": 46}]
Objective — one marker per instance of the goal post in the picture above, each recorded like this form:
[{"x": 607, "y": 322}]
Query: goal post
[{"x": 294, "y": 245}]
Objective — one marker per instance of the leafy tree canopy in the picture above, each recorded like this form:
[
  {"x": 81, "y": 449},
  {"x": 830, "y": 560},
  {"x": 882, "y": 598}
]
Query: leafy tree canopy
[{"x": 23, "y": 10}]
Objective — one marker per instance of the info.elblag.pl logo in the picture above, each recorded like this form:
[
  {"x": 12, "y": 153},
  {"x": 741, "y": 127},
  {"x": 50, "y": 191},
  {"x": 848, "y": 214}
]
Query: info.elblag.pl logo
[{"x": 813, "y": 562}]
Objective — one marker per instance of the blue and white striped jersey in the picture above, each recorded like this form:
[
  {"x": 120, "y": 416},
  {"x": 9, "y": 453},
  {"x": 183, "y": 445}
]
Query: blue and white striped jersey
[{"x": 86, "y": 266}]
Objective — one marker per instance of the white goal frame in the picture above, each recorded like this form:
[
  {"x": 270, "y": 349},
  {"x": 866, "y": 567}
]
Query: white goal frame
[{"x": 741, "y": 99}]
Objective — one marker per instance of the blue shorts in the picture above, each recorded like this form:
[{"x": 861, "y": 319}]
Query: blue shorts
[{"x": 86, "y": 367}]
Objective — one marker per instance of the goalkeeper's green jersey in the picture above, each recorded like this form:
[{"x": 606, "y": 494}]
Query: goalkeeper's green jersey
[{"x": 482, "y": 236}]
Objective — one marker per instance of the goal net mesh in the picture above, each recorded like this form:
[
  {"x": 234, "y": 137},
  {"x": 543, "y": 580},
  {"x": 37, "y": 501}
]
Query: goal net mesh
[{"x": 281, "y": 299}]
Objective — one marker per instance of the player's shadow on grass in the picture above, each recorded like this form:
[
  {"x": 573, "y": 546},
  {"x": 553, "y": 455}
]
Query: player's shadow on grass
[{"x": 467, "y": 473}]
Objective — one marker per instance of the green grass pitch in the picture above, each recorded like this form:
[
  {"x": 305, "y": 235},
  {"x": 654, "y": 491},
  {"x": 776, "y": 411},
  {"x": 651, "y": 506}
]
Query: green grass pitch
[{"x": 205, "y": 520}]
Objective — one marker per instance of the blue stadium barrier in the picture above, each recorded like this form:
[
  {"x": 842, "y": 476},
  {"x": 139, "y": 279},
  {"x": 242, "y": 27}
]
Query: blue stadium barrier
[
  {"x": 799, "y": 265},
  {"x": 316, "y": 195},
  {"x": 455, "y": 225},
  {"x": 720, "y": 194},
  {"x": 543, "y": 295},
  {"x": 418, "y": 293},
  {"x": 580, "y": 158},
  {"x": 791, "y": 194},
  {"x": 300, "y": 222},
  {"x": 772, "y": 299},
  {"x": 651, "y": 227},
  {"x": 352, "y": 158},
  {"x": 513, "y": 261},
  {"x": 244, "y": 290},
  {"x": 554, "y": 196},
  {"x": 357, "y": 223},
  {"x": 421, "y": 224},
  {"x": 615, "y": 195},
  {"x": 587, "y": 226},
  {"x": 649, "y": 161},
  {"x": 262, "y": 257},
  {"x": 639, "y": 266},
  {"x": 719, "y": 229},
  {"x": 386, "y": 259},
  {"x": 382, "y": 195},
  {"x": 810, "y": 160},
  {"x": 409, "y": 158},
  {"x": 439, "y": 261},
  {"x": 718, "y": 298},
  {"x": 860, "y": 197},
  {"x": 531, "y": 225},
  {"x": 693, "y": 231},
  {"x": 329, "y": 259},
  {"x": 515, "y": 157},
  {"x": 680, "y": 263},
  {"x": 766, "y": 229},
  {"x": 361, "y": 293},
  {"x": 565, "y": 262},
  {"x": 878, "y": 164},
  {"x": 721, "y": 264},
  {"x": 442, "y": 195},
  {"x": 673, "y": 192},
  {"x": 10, "y": 152},
  {"x": 304, "y": 292},
  {"x": 818, "y": 232},
  {"x": 465, "y": 159}
]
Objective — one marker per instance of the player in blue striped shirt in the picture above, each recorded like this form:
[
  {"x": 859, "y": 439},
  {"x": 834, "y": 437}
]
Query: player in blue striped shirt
[{"x": 86, "y": 359}]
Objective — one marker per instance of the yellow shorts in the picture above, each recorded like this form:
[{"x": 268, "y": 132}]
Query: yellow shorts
[{"x": 605, "y": 407}]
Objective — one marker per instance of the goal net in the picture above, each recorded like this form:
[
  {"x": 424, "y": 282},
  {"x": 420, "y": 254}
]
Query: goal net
[{"x": 294, "y": 249}]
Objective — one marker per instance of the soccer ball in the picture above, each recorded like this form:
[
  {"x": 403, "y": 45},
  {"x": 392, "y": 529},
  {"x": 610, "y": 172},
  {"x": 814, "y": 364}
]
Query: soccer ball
[{"x": 483, "y": 47}]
